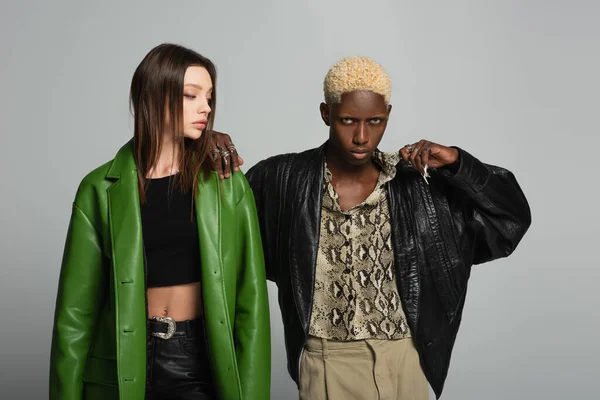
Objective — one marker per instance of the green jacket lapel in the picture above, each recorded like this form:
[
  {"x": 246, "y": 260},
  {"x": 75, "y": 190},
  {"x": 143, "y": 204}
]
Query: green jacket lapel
[
  {"x": 208, "y": 214},
  {"x": 128, "y": 267}
]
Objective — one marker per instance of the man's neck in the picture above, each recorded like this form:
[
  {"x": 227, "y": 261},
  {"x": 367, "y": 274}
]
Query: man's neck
[{"x": 342, "y": 171}]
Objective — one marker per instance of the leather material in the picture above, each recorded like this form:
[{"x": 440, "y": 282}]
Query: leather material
[
  {"x": 468, "y": 214},
  {"x": 179, "y": 369},
  {"x": 100, "y": 338}
]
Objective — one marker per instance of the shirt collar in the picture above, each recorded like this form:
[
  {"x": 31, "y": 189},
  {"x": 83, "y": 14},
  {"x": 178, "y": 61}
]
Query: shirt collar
[{"x": 387, "y": 164}]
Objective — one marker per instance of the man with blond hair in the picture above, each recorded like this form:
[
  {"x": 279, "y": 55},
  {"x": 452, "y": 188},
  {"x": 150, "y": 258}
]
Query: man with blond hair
[{"x": 371, "y": 251}]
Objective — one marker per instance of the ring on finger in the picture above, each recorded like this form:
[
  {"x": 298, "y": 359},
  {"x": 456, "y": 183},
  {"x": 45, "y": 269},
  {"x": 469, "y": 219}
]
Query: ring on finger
[
  {"x": 232, "y": 148},
  {"x": 225, "y": 153},
  {"x": 416, "y": 150}
]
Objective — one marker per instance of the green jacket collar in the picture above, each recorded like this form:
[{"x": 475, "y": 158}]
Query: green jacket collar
[{"x": 123, "y": 162}]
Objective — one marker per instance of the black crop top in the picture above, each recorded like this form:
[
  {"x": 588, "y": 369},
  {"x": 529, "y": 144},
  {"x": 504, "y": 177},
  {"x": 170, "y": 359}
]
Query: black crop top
[{"x": 170, "y": 234}]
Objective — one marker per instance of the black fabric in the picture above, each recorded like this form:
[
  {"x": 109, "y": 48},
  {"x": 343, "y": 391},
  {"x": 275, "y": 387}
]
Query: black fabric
[
  {"x": 470, "y": 213},
  {"x": 170, "y": 234},
  {"x": 179, "y": 367}
]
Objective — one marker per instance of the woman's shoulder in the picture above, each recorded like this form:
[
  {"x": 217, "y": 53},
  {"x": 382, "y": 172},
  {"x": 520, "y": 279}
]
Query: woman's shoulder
[
  {"x": 240, "y": 188},
  {"x": 100, "y": 177},
  {"x": 92, "y": 187},
  {"x": 239, "y": 182},
  {"x": 232, "y": 189},
  {"x": 97, "y": 175}
]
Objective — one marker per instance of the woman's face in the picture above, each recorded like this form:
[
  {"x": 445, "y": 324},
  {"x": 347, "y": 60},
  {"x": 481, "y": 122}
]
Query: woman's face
[{"x": 197, "y": 92}]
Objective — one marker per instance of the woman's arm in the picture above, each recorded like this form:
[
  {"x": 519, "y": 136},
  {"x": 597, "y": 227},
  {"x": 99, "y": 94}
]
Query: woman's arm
[
  {"x": 252, "y": 333},
  {"x": 82, "y": 284}
]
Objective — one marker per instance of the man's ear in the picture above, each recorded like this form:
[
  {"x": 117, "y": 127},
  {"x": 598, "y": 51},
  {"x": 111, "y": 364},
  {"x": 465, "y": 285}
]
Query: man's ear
[{"x": 324, "y": 108}]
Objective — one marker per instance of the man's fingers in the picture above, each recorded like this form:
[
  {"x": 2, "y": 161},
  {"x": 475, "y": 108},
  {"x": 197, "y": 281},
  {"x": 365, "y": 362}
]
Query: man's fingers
[
  {"x": 225, "y": 159},
  {"x": 425, "y": 155},
  {"x": 415, "y": 160},
  {"x": 233, "y": 156},
  {"x": 215, "y": 156},
  {"x": 405, "y": 152},
  {"x": 420, "y": 154},
  {"x": 418, "y": 160},
  {"x": 232, "y": 160}
]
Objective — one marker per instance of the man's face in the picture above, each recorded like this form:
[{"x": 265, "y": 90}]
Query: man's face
[{"x": 356, "y": 125}]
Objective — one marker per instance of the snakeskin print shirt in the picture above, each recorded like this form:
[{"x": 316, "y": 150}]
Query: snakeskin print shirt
[{"x": 355, "y": 294}]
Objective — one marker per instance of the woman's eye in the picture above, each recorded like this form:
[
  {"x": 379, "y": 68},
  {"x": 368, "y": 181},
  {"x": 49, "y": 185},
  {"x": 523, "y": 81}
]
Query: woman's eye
[
  {"x": 189, "y": 96},
  {"x": 376, "y": 120},
  {"x": 347, "y": 121}
]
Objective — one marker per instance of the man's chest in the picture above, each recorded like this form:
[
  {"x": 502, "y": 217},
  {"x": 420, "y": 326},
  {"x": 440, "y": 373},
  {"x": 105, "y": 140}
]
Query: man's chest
[{"x": 351, "y": 195}]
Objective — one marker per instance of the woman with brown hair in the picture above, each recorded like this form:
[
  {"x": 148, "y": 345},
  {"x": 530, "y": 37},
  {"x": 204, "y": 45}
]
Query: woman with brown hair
[{"x": 162, "y": 291}]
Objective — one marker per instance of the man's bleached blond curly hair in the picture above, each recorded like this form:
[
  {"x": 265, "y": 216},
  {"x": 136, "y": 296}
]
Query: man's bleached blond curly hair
[{"x": 356, "y": 73}]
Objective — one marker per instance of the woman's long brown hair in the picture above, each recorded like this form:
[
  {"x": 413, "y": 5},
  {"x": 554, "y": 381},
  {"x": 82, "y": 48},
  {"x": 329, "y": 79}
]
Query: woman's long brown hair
[{"x": 156, "y": 101}]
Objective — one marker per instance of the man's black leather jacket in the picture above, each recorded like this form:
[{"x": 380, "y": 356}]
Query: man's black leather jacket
[{"x": 474, "y": 214}]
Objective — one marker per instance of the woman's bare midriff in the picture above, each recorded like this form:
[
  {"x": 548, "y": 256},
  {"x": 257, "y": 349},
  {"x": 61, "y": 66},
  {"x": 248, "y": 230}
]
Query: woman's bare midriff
[{"x": 180, "y": 302}]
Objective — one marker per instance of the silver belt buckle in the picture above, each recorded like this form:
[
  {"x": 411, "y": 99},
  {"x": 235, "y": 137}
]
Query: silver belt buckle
[{"x": 171, "y": 326}]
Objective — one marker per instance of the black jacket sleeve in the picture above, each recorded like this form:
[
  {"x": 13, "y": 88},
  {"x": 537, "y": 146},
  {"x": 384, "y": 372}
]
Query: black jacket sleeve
[
  {"x": 263, "y": 179},
  {"x": 490, "y": 211}
]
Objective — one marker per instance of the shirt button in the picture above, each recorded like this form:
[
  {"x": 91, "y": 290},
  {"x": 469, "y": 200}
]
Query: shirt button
[
  {"x": 347, "y": 243},
  {"x": 347, "y": 271}
]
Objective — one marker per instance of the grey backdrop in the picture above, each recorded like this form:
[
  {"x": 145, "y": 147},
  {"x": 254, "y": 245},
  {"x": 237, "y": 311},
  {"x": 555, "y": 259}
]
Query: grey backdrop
[{"x": 514, "y": 82}]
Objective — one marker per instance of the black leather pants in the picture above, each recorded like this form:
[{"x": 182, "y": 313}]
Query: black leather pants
[{"x": 178, "y": 368}]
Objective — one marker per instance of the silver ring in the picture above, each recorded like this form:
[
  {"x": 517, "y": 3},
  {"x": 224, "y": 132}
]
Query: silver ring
[
  {"x": 225, "y": 154},
  {"x": 416, "y": 150},
  {"x": 232, "y": 148}
]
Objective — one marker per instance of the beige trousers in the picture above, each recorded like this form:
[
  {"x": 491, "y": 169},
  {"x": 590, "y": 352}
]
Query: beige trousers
[{"x": 361, "y": 370}]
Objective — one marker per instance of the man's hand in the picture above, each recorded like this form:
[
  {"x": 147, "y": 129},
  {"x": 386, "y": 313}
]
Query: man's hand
[
  {"x": 224, "y": 155},
  {"x": 425, "y": 153}
]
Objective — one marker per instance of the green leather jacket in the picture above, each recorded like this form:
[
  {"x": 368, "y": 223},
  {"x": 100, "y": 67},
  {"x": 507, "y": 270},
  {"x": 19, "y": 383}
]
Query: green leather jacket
[{"x": 99, "y": 337}]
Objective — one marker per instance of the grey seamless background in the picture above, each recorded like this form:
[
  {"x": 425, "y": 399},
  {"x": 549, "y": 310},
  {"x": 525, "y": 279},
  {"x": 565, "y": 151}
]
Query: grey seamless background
[{"x": 513, "y": 82}]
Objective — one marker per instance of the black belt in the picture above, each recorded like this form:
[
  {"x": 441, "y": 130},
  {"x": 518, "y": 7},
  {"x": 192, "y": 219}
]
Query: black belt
[{"x": 165, "y": 327}]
